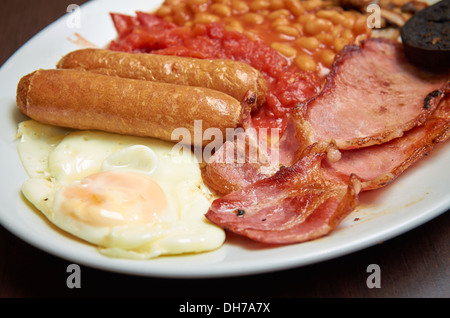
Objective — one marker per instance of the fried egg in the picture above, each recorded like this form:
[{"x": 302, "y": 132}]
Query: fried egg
[{"x": 131, "y": 197}]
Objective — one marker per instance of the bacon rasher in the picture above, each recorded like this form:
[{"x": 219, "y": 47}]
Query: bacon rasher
[
  {"x": 371, "y": 96},
  {"x": 298, "y": 203},
  {"x": 232, "y": 168},
  {"x": 379, "y": 165}
]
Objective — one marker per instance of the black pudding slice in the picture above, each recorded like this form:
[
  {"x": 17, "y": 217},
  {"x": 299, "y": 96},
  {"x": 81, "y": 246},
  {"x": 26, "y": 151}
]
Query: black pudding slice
[{"x": 426, "y": 37}]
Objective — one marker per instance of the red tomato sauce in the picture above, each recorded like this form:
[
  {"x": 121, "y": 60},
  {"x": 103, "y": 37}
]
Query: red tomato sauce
[{"x": 287, "y": 85}]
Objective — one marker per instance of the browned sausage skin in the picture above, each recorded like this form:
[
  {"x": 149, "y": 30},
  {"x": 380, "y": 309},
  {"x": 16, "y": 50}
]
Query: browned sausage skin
[
  {"x": 227, "y": 76},
  {"x": 88, "y": 100}
]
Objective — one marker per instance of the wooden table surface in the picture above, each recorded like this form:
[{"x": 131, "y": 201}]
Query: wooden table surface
[{"x": 415, "y": 264}]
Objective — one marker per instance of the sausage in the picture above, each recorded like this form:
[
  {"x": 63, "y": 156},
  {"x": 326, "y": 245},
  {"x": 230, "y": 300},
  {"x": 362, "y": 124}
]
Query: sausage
[
  {"x": 231, "y": 77},
  {"x": 86, "y": 100}
]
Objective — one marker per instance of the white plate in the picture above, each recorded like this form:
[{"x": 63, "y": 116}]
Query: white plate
[{"x": 419, "y": 195}]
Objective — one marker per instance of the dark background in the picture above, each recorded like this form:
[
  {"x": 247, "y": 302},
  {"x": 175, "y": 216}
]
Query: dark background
[{"x": 415, "y": 264}]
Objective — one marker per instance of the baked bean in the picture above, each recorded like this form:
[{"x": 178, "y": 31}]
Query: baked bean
[
  {"x": 284, "y": 49},
  {"x": 276, "y": 4},
  {"x": 325, "y": 38},
  {"x": 295, "y": 7},
  {"x": 203, "y": 17},
  {"x": 315, "y": 26},
  {"x": 257, "y": 5},
  {"x": 327, "y": 57},
  {"x": 339, "y": 44},
  {"x": 348, "y": 23},
  {"x": 326, "y": 14},
  {"x": 196, "y": 2},
  {"x": 252, "y": 36},
  {"x": 279, "y": 22},
  {"x": 304, "y": 18},
  {"x": 312, "y": 4},
  {"x": 349, "y": 19},
  {"x": 348, "y": 34},
  {"x": 235, "y": 26},
  {"x": 181, "y": 17},
  {"x": 264, "y": 12},
  {"x": 163, "y": 11},
  {"x": 220, "y": 9},
  {"x": 298, "y": 27},
  {"x": 305, "y": 62},
  {"x": 349, "y": 14},
  {"x": 360, "y": 25},
  {"x": 337, "y": 18},
  {"x": 337, "y": 30},
  {"x": 171, "y": 3},
  {"x": 179, "y": 7},
  {"x": 197, "y": 6},
  {"x": 198, "y": 9},
  {"x": 239, "y": 7},
  {"x": 169, "y": 18},
  {"x": 278, "y": 14},
  {"x": 253, "y": 18},
  {"x": 309, "y": 43},
  {"x": 287, "y": 30}
]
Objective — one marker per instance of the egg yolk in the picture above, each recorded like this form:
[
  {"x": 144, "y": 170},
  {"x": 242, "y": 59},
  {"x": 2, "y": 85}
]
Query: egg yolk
[{"x": 112, "y": 198}]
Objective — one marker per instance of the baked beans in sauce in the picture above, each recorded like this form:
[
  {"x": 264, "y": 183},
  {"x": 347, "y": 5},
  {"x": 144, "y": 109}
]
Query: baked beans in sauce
[{"x": 292, "y": 42}]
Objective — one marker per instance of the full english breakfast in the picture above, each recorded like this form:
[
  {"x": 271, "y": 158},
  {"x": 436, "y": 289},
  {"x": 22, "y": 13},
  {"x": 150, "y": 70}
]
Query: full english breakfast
[{"x": 351, "y": 111}]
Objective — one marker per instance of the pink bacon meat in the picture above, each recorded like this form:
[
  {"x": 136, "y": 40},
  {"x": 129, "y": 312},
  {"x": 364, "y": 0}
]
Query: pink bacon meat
[
  {"x": 379, "y": 165},
  {"x": 372, "y": 96}
]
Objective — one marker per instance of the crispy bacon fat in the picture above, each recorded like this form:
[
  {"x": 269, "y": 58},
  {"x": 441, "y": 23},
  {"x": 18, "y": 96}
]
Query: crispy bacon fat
[{"x": 298, "y": 203}]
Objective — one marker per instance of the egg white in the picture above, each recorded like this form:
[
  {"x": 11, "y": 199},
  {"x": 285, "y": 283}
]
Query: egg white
[{"x": 57, "y": 159}]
